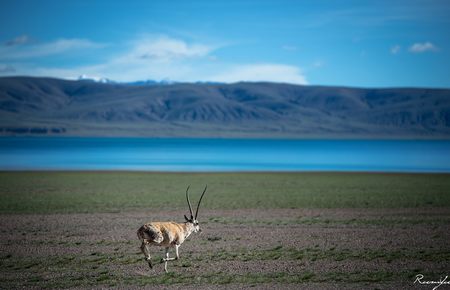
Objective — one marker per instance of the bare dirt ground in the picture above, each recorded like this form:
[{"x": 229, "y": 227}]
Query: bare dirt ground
[{"x": 252, "y": 248}]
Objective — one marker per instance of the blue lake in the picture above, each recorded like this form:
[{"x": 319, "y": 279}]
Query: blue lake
[{"x": 153, "y": 154}]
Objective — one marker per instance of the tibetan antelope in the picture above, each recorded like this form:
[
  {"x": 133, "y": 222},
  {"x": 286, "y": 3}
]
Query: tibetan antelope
[{"x": 168, "y": 234}]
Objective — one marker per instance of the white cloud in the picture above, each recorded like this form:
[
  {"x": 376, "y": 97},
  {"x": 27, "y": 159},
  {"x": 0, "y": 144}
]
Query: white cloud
[
  {"x": 59, "y": 46},
  {"x": 395, "y": 49},
  {"x": 167, "y": 49},
  {"x": 422, "y": 47},
  {"x": 146, "y": 58},
  {"x": 262, "y": 72},
  {"x": 179, "y": 71},
  {"x": 155, "y": 58}
]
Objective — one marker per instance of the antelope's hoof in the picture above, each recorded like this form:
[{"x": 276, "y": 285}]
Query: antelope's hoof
[{"x": 150, "y": 265}]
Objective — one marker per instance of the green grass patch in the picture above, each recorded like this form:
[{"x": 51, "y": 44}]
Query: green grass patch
[
  {"x": 100, "y": 279},
  {"x": 99, "y": 269},
  {"x": 314, "y": 254},
  {"x": 56, "y": 192},
  {"x": 327, "y": 222}
]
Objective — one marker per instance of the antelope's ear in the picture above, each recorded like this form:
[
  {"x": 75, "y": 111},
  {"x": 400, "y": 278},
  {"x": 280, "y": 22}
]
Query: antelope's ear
[{"x": 185, "y": 217}]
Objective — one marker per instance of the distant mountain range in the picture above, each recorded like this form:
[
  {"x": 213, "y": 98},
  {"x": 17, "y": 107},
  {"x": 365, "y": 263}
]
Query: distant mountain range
[
  {"x": 46, "y": 106},
  {"x": 86, "y": 78}
]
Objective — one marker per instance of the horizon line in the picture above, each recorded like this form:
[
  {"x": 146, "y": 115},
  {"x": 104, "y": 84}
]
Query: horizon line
[{"x": 169, "y": 82}]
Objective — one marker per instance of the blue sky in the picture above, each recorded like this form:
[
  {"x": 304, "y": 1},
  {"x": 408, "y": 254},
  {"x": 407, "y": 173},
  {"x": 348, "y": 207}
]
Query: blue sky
[{"x": 349, "y": 43}]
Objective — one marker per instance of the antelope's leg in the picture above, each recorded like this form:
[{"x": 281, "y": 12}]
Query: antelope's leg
[
  {"x": 166, "y": 259},
  {"x": 167, "y": 256},
  {"x": 176, "y": 252},
  {"x": 146, "y": 251}
]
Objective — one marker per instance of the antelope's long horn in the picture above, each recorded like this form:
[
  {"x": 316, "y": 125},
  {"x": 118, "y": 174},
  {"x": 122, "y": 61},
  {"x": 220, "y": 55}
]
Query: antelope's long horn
[
  {"x": 198, "y": 205},
  {"x": 188, "y": 201}
]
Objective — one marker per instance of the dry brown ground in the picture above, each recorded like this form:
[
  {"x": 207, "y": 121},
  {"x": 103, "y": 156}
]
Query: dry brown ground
[{"x": 253, "y": 248}]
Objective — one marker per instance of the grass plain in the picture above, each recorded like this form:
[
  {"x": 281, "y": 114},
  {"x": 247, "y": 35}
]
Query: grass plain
[
  {"x": 66, "y": 192},
  {"x": 261, "y": 230}
]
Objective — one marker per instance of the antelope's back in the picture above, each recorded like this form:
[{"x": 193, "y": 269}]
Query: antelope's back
[{"x": 162, "y": 233}]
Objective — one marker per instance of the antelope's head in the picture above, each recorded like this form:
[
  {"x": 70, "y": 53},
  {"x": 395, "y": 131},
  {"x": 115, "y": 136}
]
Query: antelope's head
[{"x": 193, "y": 220}]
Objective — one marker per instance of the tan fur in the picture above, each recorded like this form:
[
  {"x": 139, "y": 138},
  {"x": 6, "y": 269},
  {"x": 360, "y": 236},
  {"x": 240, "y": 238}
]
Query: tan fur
[{"x": 166, "y": 234}]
